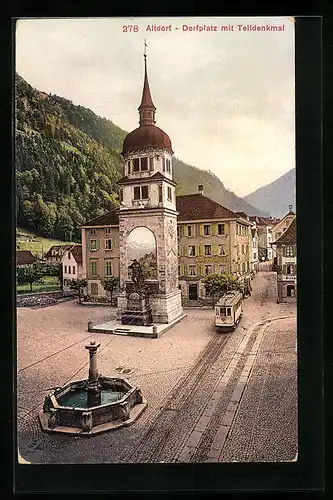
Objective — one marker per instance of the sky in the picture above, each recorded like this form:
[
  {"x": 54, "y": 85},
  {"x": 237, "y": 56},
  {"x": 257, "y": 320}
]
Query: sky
[{"x": 224, "y": 97}]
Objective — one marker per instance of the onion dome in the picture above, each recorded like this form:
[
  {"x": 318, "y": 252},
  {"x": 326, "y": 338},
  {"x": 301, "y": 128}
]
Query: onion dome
[{"x": 147, "y": 135}]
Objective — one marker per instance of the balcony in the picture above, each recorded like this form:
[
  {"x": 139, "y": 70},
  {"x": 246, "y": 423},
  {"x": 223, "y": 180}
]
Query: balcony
[{"x": 141, "y": 203}]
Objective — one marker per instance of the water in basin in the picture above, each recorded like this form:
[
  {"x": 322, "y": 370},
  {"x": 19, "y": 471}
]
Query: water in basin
[{"x": 79, "y": 398}]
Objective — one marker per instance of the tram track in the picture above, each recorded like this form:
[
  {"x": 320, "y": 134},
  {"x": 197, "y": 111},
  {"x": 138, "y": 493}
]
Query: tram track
[
  {"x": 155, "y": 441},
  {"x": 157, "y": 435}
]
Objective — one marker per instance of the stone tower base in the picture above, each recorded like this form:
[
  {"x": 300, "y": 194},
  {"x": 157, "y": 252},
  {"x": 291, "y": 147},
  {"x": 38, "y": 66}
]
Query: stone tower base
[{"x": 165, "y": 308}]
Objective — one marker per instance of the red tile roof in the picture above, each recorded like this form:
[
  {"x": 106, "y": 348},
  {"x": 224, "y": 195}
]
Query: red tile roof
[
  {"x": 190, "y": 207},
  {"x": 24, "y": 257},
  {"x": 289, "y": 235},
  {"x": 56, "y": 248},
  {"x": 199, "y": 207},
  {"x": 76, "y": 251},
  {"x": 108, "y": 219}
]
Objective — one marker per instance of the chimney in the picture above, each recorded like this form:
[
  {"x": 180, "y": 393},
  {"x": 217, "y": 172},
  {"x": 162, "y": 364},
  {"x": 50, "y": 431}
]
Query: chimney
[
  {"x": 200, "y": 189},
  {"x": 290, "y": 208}
]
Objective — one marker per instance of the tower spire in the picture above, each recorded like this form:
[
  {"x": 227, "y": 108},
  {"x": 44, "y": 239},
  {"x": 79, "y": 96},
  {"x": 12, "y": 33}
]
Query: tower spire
[{"x": 146, "y": 108}]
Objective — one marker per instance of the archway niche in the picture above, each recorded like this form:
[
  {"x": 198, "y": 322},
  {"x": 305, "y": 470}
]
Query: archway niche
[{"x": 141, "y": 245}]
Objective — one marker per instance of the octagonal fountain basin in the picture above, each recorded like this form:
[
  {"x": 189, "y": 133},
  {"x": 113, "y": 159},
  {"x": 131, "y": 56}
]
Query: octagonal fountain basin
[
  {"x": 88, "y": 407},
  {"x": 77, "y": 409}
]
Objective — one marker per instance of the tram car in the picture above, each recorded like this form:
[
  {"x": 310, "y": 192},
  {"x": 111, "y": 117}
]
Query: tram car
[{"x": 228, "y": 310}]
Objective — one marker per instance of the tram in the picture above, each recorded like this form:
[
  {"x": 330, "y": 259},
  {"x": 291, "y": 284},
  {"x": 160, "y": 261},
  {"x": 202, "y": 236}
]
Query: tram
[{"x": 228, "y": 310}]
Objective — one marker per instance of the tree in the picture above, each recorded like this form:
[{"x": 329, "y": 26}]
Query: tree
[
  {"x": 110, "y": 285},
  {"x": 30, "y": 274},
  {"x": 78, "y": 285},
  {"x": 218, "y": 284}
]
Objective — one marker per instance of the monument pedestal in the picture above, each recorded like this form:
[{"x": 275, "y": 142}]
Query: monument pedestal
[
  {"x": 138, "y": 311},
  {"x": 166, "y": 308}
]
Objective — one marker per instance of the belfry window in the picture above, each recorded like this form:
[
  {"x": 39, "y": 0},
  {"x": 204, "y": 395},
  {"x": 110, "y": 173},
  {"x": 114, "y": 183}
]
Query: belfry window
[
  {"x": 136, "y": 165},
  {"x": 160, "y": 194},
  {"x": 141, "y": 192},
  {"x": 168, "y": 165},
  {"x": 144, "y": 163},
  {"x": 151, "y": 163}
]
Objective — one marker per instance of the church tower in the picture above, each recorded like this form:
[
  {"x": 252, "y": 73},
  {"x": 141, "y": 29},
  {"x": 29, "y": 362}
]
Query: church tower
[{"x": 148, "y": 204}]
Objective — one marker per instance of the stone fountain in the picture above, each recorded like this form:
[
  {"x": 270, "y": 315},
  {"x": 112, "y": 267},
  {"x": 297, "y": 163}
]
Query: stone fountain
[{"x": 94, "y": 405}]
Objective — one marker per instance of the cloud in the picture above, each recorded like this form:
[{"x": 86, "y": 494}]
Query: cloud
[{"x": 226, "y": 99}]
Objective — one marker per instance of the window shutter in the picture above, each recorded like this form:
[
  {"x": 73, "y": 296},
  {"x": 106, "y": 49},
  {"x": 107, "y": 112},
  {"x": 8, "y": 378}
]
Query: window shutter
[
  {"x": 181, "y": 269},
  {"x": 215, "y": 249},
  {"x": 185, "y": 230},
  {"x": 97, "y": 244},
  {"x": 214, "y": 229},
  {"x": 201, "y": 250},
  {"x": 202, "y": 270},
  {"x": 201, "y": 230},
  {"x": 226, "y": 228}
]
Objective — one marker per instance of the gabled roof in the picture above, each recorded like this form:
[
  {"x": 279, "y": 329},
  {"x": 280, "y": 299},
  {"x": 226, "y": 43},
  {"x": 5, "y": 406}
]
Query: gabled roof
[
  {"x": 56, "y": 248},
  {"x": 264, "y": 221},
  {"x": 289, "y": 236},
  {"x": 278, "y": 221},
  {"x": 108, "y": 219},
  {"x": 24, "y": 257},
  {"x": 199, "y": 207},
  {"x": 76, "y": 251}
]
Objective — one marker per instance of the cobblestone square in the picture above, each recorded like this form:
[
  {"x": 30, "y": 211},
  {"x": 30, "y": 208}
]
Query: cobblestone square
[{"x": 200, "y": 384}]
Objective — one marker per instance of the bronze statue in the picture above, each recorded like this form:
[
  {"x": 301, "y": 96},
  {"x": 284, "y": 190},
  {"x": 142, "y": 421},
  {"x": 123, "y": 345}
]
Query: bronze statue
[{"x": 137, "y": 275}]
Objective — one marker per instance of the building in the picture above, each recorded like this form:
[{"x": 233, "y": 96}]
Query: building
[
  {"x": 24, "y": 257},
  {"x": 55, "y": 253},
  {"x": 100, "y": 252},
  {"x": 211, "y": 239},
  {"x": 264, "y": 229},
  {"x": 254, "y": 250},
  {"x": 286, "y": 251},
  {"x": 283, "y": 224},
  {"x": 71, "y": 265},
  {"x": 279, "y": 229}
]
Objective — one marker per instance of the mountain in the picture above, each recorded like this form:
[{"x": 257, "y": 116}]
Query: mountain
[
  {"x": 276, "y": 197},
  {"x": 68, "y": 163},
  {"x": 188, "y": 178}
]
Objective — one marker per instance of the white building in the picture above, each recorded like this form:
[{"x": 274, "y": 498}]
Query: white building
[{"x": 71, "y": 265}]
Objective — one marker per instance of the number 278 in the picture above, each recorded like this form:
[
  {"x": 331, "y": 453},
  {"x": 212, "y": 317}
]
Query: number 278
[{"x": 130, "y": 27}]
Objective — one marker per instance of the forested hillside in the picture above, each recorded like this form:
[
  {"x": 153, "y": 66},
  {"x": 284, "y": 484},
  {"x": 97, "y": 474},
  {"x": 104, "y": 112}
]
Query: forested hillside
[{"x": 68, "y": 162}]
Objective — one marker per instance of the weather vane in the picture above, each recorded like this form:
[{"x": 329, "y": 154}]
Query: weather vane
[{"x": 145, "y": 46}]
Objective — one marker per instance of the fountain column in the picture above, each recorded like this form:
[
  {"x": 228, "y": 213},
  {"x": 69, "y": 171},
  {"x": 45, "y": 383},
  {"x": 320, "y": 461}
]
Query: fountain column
[
  {"x": 93, "y": 373},
  {"x": 94, "y": 393}
]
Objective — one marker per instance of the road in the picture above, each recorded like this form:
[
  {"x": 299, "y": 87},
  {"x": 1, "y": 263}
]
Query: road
[{"x": 211, "y": 396}]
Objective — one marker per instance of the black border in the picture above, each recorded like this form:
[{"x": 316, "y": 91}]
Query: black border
[{"x": 307, "y": 473}]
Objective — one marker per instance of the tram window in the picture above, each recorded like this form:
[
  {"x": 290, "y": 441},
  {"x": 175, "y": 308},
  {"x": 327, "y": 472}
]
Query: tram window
[
  {"x": 228, "y": 311},
  {"x": 222, "y": 311}
]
